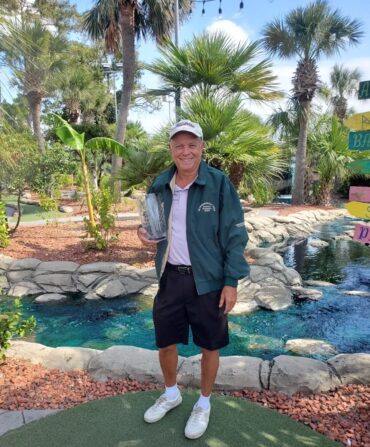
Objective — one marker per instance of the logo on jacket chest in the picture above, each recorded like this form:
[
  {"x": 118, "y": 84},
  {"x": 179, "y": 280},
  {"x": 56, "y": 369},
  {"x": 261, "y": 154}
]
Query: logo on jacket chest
[{"x": 207, "y": 207}]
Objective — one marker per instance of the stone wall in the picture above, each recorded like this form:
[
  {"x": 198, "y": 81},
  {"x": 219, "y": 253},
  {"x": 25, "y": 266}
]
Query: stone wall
[{"x": 285, "y": 374}]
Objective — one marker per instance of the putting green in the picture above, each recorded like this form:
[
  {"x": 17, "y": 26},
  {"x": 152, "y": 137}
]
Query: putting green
[{"x": 118, "y": 422}]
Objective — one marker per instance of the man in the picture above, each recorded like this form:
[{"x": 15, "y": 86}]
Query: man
[{"x": 198, "y": 267}]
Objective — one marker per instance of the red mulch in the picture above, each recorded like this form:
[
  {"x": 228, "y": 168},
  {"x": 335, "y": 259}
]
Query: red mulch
[
  {"x": 342, "y": 415},
  {"x": 63, "y": 242}
]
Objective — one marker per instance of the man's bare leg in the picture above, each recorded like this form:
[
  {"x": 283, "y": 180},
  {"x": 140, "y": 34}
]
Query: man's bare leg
[
  {"x": 210, "y": 363},
  {"x": 168, "y": 358}
]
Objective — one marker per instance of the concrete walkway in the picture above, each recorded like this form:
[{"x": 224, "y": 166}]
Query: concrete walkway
[
  {"x": 120, "y": 217},
  {"x": 261, "y": 212},
  {"x": 9, "y": 420}
]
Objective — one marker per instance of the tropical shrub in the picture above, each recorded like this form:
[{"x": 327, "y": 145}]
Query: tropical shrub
[
  {"x": 12, "y": 324},
  {"x": 4, "y": 229}
]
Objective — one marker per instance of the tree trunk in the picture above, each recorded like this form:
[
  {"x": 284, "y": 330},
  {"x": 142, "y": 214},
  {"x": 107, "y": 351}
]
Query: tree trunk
[
  {"x": 236, "y": 173},
  {"x": 129, "y": 70},
  {"x": 326, "y": 194},
  {"x": 86, "y": 182},
  {"x": 300, "y": 157},
  {"x": 34, "y": 101}
]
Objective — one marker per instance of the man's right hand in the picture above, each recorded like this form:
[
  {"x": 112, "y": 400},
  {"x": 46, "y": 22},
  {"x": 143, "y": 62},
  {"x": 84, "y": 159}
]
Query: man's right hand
[{"x": 142, "y": 234}]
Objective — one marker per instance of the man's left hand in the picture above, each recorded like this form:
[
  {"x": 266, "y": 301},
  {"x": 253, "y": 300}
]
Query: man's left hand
[{"x": 228, "y": 297}]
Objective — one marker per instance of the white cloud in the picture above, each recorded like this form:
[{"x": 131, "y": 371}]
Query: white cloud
[{"x": 236, "y": 33}]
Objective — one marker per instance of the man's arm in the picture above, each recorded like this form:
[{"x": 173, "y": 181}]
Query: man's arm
[{"x": 233, "y": 239}]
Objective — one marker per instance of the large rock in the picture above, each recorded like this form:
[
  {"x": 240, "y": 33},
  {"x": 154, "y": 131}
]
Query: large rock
[
  {"x": 63, "y": 358},
  {"x": 97, "y": 267},
  {"x": 318, "y": 283},
  {"x": 126, "y": 362},
  {"x": 308, "y": 346},
  {"x": 24, "y": 288},
  {"x": 50, "y": 298},
  {"x": 56, "y": 267},
  {"x": 361, "y": 293},
  {"x": 5, "y": 262},
  {"x": 299, "y": 374},
  {"x": 22, "y": 269},
  {"x": 238, "y": 372},
  {"x": 274, "y": 298},
  {"x": 302, "y": 293},
  {"x": 56, "y": 282},
  {"x": 111, "y": 289},
  {"x": 352, "y": 368}
]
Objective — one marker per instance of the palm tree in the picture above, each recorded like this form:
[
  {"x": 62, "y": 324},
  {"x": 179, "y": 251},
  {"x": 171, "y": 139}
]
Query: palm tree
[
  {"x": 236, "y": 140},
  {"x": 212, "y": 62},
  {"x": 35, "y": 56},
  {"x": 344, "y": 82},
  {"x": 120, "y": 22},
  {"x": 309, "y": 33},
  {"x": 329, "y": 155}
]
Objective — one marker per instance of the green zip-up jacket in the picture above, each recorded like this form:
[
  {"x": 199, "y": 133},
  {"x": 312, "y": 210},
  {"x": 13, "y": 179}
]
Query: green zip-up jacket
[{"x": 215, "y": 228}]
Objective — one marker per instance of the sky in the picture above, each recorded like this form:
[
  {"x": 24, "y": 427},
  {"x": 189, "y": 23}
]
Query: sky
[{"x": 247, "y": 25}]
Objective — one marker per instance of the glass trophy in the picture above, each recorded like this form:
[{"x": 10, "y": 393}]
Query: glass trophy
[{"x": 151, "y": 208}]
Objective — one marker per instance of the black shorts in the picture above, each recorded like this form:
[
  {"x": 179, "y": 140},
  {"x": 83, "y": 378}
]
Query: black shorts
[{"x": 178, "y": 306}]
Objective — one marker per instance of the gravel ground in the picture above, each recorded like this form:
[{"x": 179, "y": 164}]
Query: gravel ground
[{"x": 343, "y": 414}]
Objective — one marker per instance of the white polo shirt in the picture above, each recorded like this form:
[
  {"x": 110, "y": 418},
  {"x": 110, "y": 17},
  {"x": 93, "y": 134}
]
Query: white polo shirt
[{"x": 178, "y": 250}]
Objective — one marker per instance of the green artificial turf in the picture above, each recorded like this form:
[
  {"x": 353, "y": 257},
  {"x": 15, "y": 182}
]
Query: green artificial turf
[
  {"x": 118, "y": 422},
  {"x": 32, "y": 212}
]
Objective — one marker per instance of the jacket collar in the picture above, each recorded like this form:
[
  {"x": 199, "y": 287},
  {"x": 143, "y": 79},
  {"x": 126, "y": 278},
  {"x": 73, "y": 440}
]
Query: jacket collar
[{"x": 200, "y": 180}]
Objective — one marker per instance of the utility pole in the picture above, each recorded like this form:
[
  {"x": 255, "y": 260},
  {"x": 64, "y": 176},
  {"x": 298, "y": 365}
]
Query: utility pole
[{"x": 178, "y": 91}]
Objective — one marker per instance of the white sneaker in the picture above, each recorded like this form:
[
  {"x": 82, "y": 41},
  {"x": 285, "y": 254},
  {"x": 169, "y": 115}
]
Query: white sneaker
[
  {"x": 197, "y": 423},
  {"x": 161, "y": 407}
]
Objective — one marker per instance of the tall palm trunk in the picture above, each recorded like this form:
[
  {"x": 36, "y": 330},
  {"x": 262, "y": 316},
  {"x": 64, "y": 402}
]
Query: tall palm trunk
[
  {"x": 34, "y": 101},
  {"x": 236, "y": 173},
  {"x": 129, "y": 69},
  {"x": 300, "y": 157}
]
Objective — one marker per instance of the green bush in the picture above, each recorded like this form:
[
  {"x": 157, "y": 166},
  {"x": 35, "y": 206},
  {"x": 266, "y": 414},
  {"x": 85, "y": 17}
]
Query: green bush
[
  {"x": 4, "y": 229},
  {"x": 11, "y": 324},
  {"x": 102, "y": 232}
]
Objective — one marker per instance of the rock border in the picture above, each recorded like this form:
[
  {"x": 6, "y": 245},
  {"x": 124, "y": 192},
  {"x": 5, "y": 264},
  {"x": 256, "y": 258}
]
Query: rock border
[{"x": 284, "y": 373}]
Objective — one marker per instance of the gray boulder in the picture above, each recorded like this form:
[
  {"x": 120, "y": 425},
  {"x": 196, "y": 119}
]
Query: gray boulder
[
  {"x": 308, "y": 346},
  {"x": 352, "y": 368},
  {"x": 274, "y": 297},
  {"x": 238, "y": 372},
  {"x": 126, "y": 362},
  {"x": 50, "y": 298},
  {"x": 24, "y": 288},
  {"x": 63, "y": 358},
  {"x": 299, "y": 374},
  {"x": 318, "y": 283},
  {"x": 302, "y": 293}
]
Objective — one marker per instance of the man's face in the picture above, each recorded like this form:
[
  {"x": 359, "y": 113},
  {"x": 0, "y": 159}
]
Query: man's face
[{"x": 186, "y": 151}]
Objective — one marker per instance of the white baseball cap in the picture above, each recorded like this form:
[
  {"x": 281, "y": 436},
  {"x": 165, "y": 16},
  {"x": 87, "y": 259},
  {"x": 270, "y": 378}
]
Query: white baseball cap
[{"x": 186, "y": 126}]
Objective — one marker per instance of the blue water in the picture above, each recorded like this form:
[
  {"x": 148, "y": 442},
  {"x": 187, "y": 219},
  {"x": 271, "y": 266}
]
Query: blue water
[{"x": 342, "y": 320}]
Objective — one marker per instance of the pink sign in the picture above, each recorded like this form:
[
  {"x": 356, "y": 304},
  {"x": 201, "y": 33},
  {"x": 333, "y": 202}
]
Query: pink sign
[
  {"x": 362, "y": 234},
  {"x": 359, "y": 194}
]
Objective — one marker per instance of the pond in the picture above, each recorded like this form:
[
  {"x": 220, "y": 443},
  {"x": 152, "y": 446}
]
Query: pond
[{"x": 342, "y": 320}]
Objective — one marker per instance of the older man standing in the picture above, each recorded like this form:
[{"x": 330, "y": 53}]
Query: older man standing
[{"x": 198, "y": 267}]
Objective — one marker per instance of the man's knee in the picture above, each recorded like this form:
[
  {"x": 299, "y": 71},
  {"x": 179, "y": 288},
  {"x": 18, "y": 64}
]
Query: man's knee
[
  {"x": 207, "y": 353},
  {"x": 171, "y": 349}
]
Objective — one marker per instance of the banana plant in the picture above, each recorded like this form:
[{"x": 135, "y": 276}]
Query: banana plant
[{"x": 76, "y": 141}]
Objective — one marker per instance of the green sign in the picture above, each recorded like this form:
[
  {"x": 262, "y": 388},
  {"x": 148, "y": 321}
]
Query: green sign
[
  {"x": 359, "y": 141},
  {"x": 364, "y": 90},
  {"x": 360, "y": 166}
]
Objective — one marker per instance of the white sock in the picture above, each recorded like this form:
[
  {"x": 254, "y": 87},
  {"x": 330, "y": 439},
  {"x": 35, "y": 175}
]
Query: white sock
[
  {"x": 204, "y": 402},
  {"x": 172, "y": 392}
]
